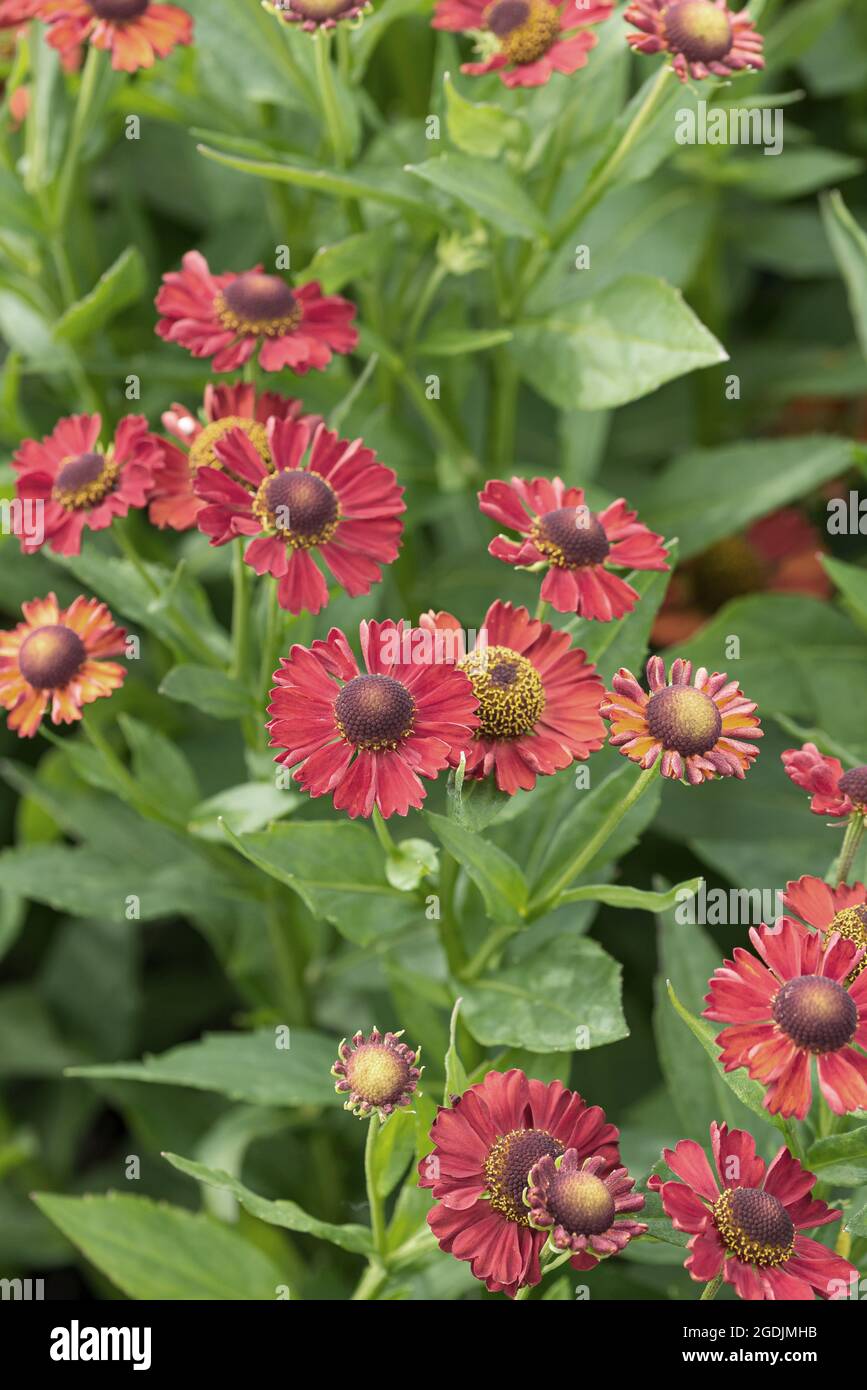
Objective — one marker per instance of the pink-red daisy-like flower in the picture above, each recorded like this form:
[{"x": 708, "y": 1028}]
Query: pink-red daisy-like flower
[
  {"x": 538, "y": 696},
  {"x": 746, "y": 1220},
  {"x": 842, "y": 909},
  {"x": 582, "y": 1206},
  {"x": 833, "y": 791},
  {"x": 791, "y": 1006},
  {"x": 577, "y": 545},
  {"x": 699, "y": 727},
  {"x": 228, "y": 316},
  {"x": 135, "y": 32},
  {"x": 320, "y": 14},
  {"x": 484, "y": 1150},
  {"x": 525, "y": 41},
  {"x": 367, "y": 737},
  {"x": 778, "y": 554},
  {"x": 173, "y": 502},
  {"x": 704, "y": 37},
  {"x": 56, "y": 658},
  {"x": 376, "y": 1073},
  {"x": 341, "y": 503},
  {"x": 79, "y": 483}
]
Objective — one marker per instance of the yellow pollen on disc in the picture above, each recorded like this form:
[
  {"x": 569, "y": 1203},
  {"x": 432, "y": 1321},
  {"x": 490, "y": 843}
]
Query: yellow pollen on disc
[
  {"x": 851, "y": 923},
  {"x": 376, "y": 1073},
  {"x": 202, "y": 448},
  {"x": 509, "y": 691},
  {"x": 526, "y": 29}
]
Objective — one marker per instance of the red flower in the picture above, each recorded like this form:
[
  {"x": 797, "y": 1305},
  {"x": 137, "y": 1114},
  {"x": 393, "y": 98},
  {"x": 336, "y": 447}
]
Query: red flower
[
  {"x": 135, "y": 32},
  {"x": 747, "y": 1222},
  {"x": 343, "y": 504},
  {"x": 484, "y": 1149},
  {"x": 227, "y": 316},
  {"x": 578, "y": 546},
  {"x": 778, "y": 554},
  {"x": 580, "y": 1208},
  {"x": 82, "y": 484},
  {"x": 173, "y": 502},
  {"x": 320, "y": 14},
  {"x": 377, "y": 1073},
  {"x": 834, "y": 792},
  {"x": 793, "y": 1005},
  {"x": 367, "y": 738},
  {"x": 705, "y": 37},
  {"x": 525, "y": 41},
  {"x": 699, "y": 728},
  {"x": 56, "y": 656},
  {"x": 841, "y": 909},
  {"x": 538, "y": 697}
]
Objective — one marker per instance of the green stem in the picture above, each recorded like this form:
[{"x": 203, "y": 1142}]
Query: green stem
[
  {"x": 589, "y": 851},
  {"x": 840, "y": 869},
  {"x": 712, "y": 1289},
  {"x": 449, "y": 930},
  {"x": 126, "y": 546},
  {"x": 377, "y": 1213},
  {"x": 383, "y": 834},
  {"x": 487, "y": 950},
  {"x": 126, "y": 780},
  {"x": 328, "y": 97},
  {"x": 290, "y": 987},
  {"x": 77, "y": 136},
  {"x": 240, "y": 612},
  {"x": 541, "y": 609},
  {"x": 505, "y": 411},
  {"x": 424, "y": 301}
]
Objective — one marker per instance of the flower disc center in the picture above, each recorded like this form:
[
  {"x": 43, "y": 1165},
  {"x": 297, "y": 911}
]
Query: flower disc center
[
  {"x": 851, "y": 923},
  {"x": 816, "y": 1013},
  {"x": 854, "y": 784},
  {"x": 727, "y": 570},
  {"x": 118, "y": 11},
  {"x": 377, "y": 1074},
  {"x": 509, "y": 691},
  {"x": 754, "y": 1225},
  {"x": 508, "y": 1165},
  {"x": 300, "y": 505},
  {"x": 698, "y": 30},
  {"x": 318, "y": 10},
  {"x": 84, "y": 480},
  {"x": 255, "y": 303},
  {"x": 571, "y": 538},
  {"x": 374, "y": 712},
  {"x": 581, "y": 1203},
  {"x": 526, "y": 28},
  {"x": 683, "y": 719},
  {"x": 51, "y": 656},
  {"x": 202, "y": 448}
]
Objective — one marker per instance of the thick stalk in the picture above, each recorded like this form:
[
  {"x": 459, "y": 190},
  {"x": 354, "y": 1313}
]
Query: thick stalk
[
  {"x": 377, "y": 1212},
  {"x": 77, "y": 137},
  {"x": 841, "y": 868}
]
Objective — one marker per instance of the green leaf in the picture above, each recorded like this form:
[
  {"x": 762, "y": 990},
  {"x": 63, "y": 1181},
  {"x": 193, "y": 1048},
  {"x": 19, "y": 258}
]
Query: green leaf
[
  {"x": 614, "y": 347},
  {"x": 841, "y": 1159},
  {"x": 30, "y": 1043},
  {"x": 474, "y": 804},
  {"x": 249, "y": 1067},
  {"x": 562, "y": 996},
  {"x": 616, "y": 895},
  {"x": 454, "y": 342},
  {"x": 457, "y": 1080},
  {"x": 351, "y": 259},
  {"x": 488, "y": 189},
  {"x": 150, "y": 1250},
  {"x": 159, "y": 766},
  {"x": 287, "y": 1214},
  {"x": 122, "y": 284},
  {"x": 792, "y": 174},
  {"x": 211, "y": 691},
  {"x": 478, "y": 128},
  {"x": 851, "y": 580},
  {"x": 497, "y": 877},
  {"x": 412, "y": 861},
  {"x": 243, "y": 808},
  {"x": 857, "y": 1222}
]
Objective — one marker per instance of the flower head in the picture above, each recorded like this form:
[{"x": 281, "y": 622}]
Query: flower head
[
  {"x": 582, "y": 1205},
  {"x": 484, "y": 1151},
  {"x": 173, "y": 502},
  {"x": 842, "y": 910},
  {"x": 367, "y": 737},
  {"x": 698, "y": 727},
  {"x": 341, "y": 503},
  {"x": 57, "y": 657},
  {"x": 320, "y": 14},
  {"x": 135, "y": 32},
  {"x": 228, "y": 316},
  {"x": 801, "y": 1000},
  {"x": 82, "y": 483},
  {"x": 704, "y": 37},
  {"x": 525, "y": 41},
  {"x": 747, "y": 1220},
  {"x": 538, "y": 696},
  {"x": 833, "y": 791},
  {"x": 377, "y": 1072},
  {"x": 579, "y": 547}
]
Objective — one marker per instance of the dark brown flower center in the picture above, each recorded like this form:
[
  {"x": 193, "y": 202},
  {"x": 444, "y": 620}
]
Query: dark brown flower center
[
  {"x": 509, "y": 691},
  {"x": 202, "y": 448},
  {"x": 854, "y": 784},
  {"x": 727, "y": 570},
  {"x": 374, "y": 712},
  {"x": 683, "y": 719},
  {"x": 255, "y": 303},
  {"x": 698, "y": 30},
  {"x": 377, "y": 1074},
  {"x": 851, "y": 923},
  {"x": 51, "y": 656},
  {"x": 816, "y": 1013},
  {"x": 754, "y": 1226},
  {"x": 526, "y": 29},
  {"x": 118, "y": 10},
  {"x": 571, "y": 538},
  {"x": 300, "y": 505},
  {"x": 508, "y": 1165},
  {"x": 318, "y": 10},
  {"x": 580, "y": 1202},
  {"x": 83, "y": 481}
]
